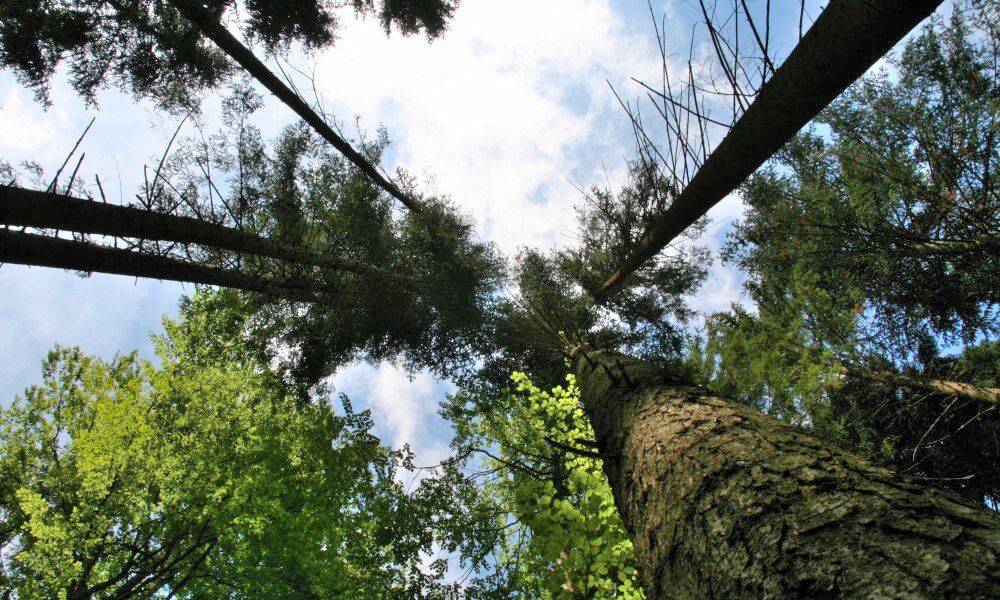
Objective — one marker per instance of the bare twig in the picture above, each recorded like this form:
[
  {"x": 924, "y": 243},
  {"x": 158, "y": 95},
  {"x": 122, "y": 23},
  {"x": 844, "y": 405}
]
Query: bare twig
[{"x": 55, "y": 179}]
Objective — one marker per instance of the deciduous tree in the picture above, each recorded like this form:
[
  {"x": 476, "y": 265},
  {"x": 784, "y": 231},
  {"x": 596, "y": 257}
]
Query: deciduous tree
[{"x": 203, "y": 476}]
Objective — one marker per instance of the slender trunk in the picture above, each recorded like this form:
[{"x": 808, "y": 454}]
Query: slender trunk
[
  {"x": 722, "y": 501},
  {"x": 846, "y": 39},
  {"x": 215, "y": 31},
  {"x": 986, "y": 242},
  {"x": 29, "y": 208},
  {"x": 941, "y": 386},
  {"x": 48, "y": 251}
]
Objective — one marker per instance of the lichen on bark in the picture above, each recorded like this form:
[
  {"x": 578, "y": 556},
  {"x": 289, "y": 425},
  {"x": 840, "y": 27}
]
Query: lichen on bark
[{"x": 723, "y": 501}]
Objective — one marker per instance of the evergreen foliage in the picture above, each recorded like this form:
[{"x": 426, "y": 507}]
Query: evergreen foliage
[
  {"x": 651, "y": 309},
  {"x": 872, "y": 261},
  {"x": 870, "y": 248},
  {"x": 429, "y": 287},
  {"x": 898, "y": 209},
  {"x": 554, "y": 309},
  {"x": 147, "y": 48}
]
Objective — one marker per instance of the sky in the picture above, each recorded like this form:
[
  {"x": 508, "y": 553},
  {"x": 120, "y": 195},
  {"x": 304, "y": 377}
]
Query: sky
[{"x": 508, "y": 114}]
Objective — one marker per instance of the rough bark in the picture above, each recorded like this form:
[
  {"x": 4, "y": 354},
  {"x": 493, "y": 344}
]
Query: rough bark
[
  {"x": 29, "y": 208},
  {"x": 846, "y": 39},
  {"x": 940, "y": 386},
  {"x": 48, "y": 251},
  {"x": 215, "y": 31},
  {"x": 722, "y": 501}
]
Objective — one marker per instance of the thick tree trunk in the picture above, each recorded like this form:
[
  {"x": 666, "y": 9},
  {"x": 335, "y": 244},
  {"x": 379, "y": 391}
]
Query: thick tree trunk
[{"x": 723, "y": 502}]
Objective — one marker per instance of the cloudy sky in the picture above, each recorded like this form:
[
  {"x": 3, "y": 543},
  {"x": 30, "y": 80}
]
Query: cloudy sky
[{"x": 506, "y": 113}]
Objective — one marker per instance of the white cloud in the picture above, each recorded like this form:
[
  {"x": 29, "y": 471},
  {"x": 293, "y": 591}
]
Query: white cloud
[
  {"x": 722, "y": 288},
  {"x": 403, "y": 407},
  {"x": 40, "y": 307},
  {"x": 27, "y": 128},
  {"x": 103, "y": 314},
  {"x": 126, "y": 135},
  {"x": 724, "y": 285},
  {"x": 502, "y": 110},
  {"x": 498, "y": 114}
]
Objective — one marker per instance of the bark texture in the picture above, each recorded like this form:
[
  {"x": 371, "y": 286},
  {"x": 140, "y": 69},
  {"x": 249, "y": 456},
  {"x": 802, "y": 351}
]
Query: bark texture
[{"x": 722, "y": 501}]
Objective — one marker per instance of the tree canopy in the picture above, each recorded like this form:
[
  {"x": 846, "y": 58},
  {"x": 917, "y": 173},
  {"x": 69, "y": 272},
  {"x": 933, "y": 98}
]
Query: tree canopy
[
  {"x": 870, "y": 251},
  {"x": 442, "y": 282},
  {"x": 150, "y": 50},
  {"x": 198, "y": 476},
  {"x": 871, "y": 261}
]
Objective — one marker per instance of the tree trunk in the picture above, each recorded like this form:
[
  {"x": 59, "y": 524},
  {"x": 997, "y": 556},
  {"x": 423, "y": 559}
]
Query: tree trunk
[
  {"x": 47, "y": 210},
  {"x": 986, "y": 242},
  {"x": 846, "y": 39},
  {"x": 49, "y": 251},
  {"x": 215, "y": 31},
  {"x": 940, "y": 386},
  {"x": 722, "y": 501}
]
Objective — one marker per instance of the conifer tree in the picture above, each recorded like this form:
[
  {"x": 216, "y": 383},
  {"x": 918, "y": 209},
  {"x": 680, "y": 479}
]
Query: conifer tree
[
  {"x": 717, "y": 498},
  {"x": 147, "y": 47},
  {"x": 870, "y": 254}
]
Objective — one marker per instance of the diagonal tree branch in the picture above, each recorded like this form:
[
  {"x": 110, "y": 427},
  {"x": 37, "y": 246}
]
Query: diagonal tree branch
[
  {"x": 846, "y": 39},
  {"x": 215, "y": 31},
  {"x": 940, "y": 386},
  {"x": 29, "y": 208}
]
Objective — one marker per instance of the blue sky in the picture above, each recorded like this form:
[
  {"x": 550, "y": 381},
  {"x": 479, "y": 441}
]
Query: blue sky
[{"x": 505, "y": 114}]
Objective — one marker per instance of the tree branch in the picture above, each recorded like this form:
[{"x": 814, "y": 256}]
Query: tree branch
[{"x": 846, "y": 39}]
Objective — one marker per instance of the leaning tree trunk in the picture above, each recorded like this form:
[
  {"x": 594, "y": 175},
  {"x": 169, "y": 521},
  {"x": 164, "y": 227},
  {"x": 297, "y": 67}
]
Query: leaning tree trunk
[
  {"x": 214, "y": 30},
  {"x": 940, "y": 386},
  {"x": 50, "y": 251},
  {"x": 844, "y": 42},
  {"x": 48, "y": 210},
  {"x": 722, "y": 501}
]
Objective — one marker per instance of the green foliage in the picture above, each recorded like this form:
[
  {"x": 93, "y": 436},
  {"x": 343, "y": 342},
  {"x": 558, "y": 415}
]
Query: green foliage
[
  {"x": 560, "y": 534},
  {"x": 199, "y": 476},
  {"x": 897, "y": 210},
  {"x": 150, "y": 50},
  {"x": 155, "y": 54},
  {"x": 554, "y": 309},
  {"x": 427, "y": 298},
  {"x": 947, "y": 440},
  {"x": 768, "y": 360},
  {"x": 412, "y": 16},
  {"x": 534, "y": 328},
  {"x": 868, "y": 248},
  {"x": 649, "y": 309}
]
